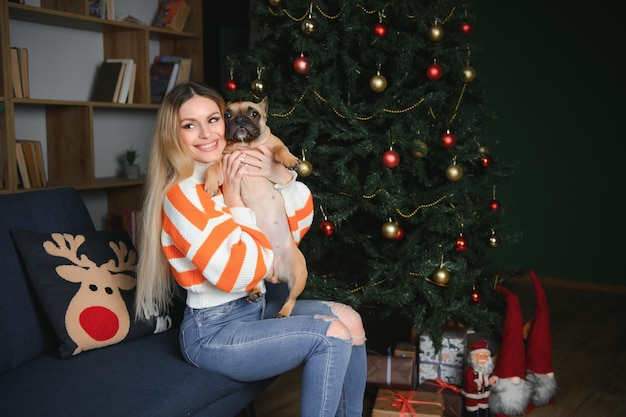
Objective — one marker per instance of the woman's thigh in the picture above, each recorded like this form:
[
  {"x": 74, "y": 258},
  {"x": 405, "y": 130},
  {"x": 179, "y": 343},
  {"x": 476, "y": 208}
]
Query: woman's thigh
[{"x": 258, "y": 349}]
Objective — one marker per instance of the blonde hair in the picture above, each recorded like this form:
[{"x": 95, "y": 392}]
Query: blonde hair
[{"x": 169, "y": 163}]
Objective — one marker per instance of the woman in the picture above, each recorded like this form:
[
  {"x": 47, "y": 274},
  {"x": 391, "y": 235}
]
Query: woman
[{"x": 213, "y": 248}]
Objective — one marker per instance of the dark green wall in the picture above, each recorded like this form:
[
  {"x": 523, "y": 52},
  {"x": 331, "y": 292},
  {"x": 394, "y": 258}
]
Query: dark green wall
[{"x": 555, "y": 77}]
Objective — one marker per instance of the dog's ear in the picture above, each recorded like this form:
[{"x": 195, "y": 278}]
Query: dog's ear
[{"x": 263, "y": 104}]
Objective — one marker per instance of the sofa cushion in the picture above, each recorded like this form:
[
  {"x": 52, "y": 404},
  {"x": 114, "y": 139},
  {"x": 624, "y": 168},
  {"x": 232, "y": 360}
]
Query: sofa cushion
[
  {"x": 86, "y": 282},
  {"x": 146, "y": 376},
  {"x": 25, "y": 330}
]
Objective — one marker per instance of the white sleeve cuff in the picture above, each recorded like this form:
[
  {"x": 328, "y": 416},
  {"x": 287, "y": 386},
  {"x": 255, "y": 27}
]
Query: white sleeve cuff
[{"x": 294, "y": 175}]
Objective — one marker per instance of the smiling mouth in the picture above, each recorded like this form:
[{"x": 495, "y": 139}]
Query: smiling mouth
[{"x": 207, "y": 146}]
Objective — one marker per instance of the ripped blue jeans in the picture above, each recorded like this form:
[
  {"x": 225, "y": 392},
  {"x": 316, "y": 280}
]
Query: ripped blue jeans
[{"x": 243, "y": 341}]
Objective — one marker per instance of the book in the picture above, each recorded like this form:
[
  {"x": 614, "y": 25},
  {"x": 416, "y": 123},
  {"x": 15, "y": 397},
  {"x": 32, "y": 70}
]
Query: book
[
  {"x": 96, "y": 8},
  {"x": 31, "y": 163},
  {"x": 16, "y": 77},
  {"x": 41, "y": 169},
  {"x": 160, "y": 75},
  {"x": 22, "y": 59},
  {"x": 184, "y": 68},
  {"x": 128, "y": 18},
  {"x": 173, "y": 14},
  {"x": 131, "y": 89},
  {"x": 180, "y": 20},
  {"x": 126, "y": 79},
  {"x": 125, "y": 219},
  {"x": 108, "y": 80},
  {"x": 184, "y": 72},
  {"x": 22, "y": 169},
  {"x": 118, "y": 86},
  {"x": 109, "y": 9}
]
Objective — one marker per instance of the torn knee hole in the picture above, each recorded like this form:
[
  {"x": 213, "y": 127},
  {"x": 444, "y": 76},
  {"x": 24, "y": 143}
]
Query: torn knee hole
[{"x": 338, "y": 329}]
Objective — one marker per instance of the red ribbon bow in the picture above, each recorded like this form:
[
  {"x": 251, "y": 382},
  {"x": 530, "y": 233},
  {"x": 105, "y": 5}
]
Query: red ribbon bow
[
  {"x": 443, "y": 385},
  {"x": 405, "y": 404}
]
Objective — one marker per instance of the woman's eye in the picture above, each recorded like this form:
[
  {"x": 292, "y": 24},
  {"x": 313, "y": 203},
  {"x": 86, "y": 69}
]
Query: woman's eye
[{"x": 188, "y": 125}]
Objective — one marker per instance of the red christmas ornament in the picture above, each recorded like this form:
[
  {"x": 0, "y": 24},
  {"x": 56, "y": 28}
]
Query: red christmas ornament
[
  {"x": 301, "y": 65},
  {"x": 466, "y": 28},
  {"x": 391, "y": 159},
  {"x": 380, "y": 30},
  {"x": 448, "y": 140},
  {"x": 486, "y": 160},
  {"x": 400, "y": 234},
  {"x": 327, "y": 228},
  {"x": 461, "y": 243},
  {"x": 475, "y": 296},
  {"x": 494, "y": 205},
  {"x": 434, "y": 71},
  {"x": 231, "y": 85}
]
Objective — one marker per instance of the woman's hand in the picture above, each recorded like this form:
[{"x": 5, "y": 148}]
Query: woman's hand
[
  {"x": 261, "y": 163},
  {"x": 233, "y": 169}
]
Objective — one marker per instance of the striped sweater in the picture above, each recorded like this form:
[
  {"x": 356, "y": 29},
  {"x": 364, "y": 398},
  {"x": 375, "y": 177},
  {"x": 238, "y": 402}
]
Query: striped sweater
[{"x": 218, "y": 253}]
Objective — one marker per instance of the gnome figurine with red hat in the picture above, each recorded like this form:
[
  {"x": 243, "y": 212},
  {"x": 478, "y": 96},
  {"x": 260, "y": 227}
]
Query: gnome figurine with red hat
[
  {"x": 539, "y": 372},
  {"x": 476, "y": 381},
  {"x": 510, "y": 392}
]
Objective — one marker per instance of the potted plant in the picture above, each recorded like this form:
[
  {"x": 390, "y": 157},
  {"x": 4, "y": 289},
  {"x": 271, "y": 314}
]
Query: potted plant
[{"x": 131, "y": 168}]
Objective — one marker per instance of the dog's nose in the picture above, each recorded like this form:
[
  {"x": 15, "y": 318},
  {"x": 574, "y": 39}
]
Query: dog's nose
[{"x": 240, "y": 119}]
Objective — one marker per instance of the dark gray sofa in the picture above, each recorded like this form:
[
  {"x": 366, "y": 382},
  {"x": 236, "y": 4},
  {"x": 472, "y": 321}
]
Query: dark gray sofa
[{"x": 146, "y": 376}]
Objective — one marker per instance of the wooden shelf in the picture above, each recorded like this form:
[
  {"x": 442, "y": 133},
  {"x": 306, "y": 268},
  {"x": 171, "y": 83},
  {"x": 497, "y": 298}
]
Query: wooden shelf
[{"x": 70, "y": 125}]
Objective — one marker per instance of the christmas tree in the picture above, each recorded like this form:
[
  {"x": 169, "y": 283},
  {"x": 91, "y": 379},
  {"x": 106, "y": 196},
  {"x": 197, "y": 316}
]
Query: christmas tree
[{"x": 382, "y": 104}]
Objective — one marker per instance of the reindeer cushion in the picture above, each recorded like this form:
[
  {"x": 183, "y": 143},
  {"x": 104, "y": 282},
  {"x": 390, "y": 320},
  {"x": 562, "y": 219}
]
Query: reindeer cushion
[{"x": 86, "y": 283}]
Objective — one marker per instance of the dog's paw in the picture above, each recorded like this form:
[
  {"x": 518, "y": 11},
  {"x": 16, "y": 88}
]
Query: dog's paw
[
  {"x": 292, "y": 163},
  {"x": 211, "y": 189},
  {"x": 255, "y": 297}
]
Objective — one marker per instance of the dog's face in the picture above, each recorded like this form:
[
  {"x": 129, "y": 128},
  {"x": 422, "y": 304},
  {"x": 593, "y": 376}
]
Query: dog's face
[{"x": 245, "y": 120}]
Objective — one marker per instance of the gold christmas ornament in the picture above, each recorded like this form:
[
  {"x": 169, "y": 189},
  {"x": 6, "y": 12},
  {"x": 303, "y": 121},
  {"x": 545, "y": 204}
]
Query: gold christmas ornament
[
  {"x": 275, "y": 3},
  {"x": 420, "y": 149},
  {"x": 494, "y": 240},
  {"x": 390, "y": 229},
  {"x": 378, "y": 83},
  {"x": 308, "y": 26},
  {"x": 257, "y": 86},
  {"x": 435, "y": 32},
  {"x": 305, "y": 169},
  {"x": 469, "y": 74},
  {"x": 440, "y": 276},
  {"x": 454, "y": 172}
]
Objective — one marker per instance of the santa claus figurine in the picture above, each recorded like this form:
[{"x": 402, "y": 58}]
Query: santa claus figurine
[
  {"x": 510, "y": 392},
  {"x": 476, "y": 381},
  {"x": 539, "y": 372}
]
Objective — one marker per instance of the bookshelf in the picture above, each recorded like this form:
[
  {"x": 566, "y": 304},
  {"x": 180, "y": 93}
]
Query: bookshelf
[{"x": 81, "y": 138}]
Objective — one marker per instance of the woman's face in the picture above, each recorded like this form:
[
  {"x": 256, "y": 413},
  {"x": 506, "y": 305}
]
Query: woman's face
[{"x": 202, "y": 128}]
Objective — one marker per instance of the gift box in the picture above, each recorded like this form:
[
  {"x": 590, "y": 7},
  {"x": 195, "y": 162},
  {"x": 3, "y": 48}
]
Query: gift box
[
  {"x": 391, "y": 371},
  {"x": 405, "y": 350},
  {"x": 394, "y": 403},
  {"x": 445, "y": 364},
  {"x": 452, "y": 397}
]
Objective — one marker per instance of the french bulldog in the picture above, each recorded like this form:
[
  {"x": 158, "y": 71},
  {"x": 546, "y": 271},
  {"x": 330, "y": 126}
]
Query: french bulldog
[{"x": 246, "y": 128}]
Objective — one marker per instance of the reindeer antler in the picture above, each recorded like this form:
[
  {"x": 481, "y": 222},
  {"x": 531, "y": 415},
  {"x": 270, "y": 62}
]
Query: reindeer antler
[
  {"x": 126, "y": 258},
  {"x": 66, "y": 246}
]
